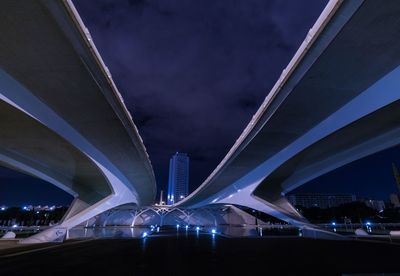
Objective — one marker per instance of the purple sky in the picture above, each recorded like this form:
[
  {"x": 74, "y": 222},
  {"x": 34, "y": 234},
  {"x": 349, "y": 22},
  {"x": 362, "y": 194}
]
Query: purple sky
[{"x": 193, "y": 73}]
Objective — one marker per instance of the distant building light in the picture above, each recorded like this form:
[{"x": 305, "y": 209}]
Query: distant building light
[
  {"x": 181, "y": 197},
  {"x": 333, "y": 223},
  {"x": 145, "y": 234},
  {"x": 187, "y": 227},
  {"x": 177, "y": 226},
  {"x": 197, "y": 228},
  {"x": 15, "y": 226},
  {"x": 213, "y": 231},
  {"x": 3, "y": 208}
]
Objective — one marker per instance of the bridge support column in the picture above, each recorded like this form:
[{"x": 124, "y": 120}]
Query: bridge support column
[
  {"x": 81, "y": 212},
  {"x": 309, "y": 230},
  {"x": 76, "y": 215}
]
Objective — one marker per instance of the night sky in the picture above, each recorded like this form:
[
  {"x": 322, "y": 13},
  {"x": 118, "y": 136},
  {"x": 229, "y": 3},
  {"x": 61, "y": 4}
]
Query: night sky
[{"x": 192, "y": 73}]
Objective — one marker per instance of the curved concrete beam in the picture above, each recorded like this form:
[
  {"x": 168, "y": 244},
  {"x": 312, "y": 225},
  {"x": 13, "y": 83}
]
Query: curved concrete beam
[
  {"x": 341, "y": 79},
  {"x": 54, "y": 80}
]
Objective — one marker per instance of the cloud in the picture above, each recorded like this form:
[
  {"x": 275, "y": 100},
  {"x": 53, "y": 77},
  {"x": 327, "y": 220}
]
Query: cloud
[{"x": 193, "y": 73}]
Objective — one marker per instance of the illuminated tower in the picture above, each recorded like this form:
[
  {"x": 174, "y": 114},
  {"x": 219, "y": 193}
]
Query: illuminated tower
[{"x": 178, "y": 183}]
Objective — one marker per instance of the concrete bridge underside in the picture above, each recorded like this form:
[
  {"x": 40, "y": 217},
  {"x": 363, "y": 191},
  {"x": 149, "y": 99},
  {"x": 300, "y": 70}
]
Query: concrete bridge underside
[
  {"x": 62, "y": 118},
  {"x": 337, "y": 101}
]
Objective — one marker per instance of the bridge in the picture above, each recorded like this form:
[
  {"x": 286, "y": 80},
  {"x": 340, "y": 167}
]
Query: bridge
[
  {"x": 63, "y": 119},
  {"x": 337, "y": 101},
  {"x": 163, "y": 215}
]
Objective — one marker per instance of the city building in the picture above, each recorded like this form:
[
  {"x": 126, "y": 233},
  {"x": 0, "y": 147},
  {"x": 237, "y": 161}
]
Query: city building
[
  {"x": 40, "y": 208},
  {"x": 378, "y": 205},
  {"x": 310, "y": 200},
  {"x": 394, "y": 199},
  {"x": 178, "y": 183}
]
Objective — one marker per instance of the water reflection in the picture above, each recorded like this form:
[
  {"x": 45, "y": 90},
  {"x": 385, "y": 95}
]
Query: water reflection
[
  {"x": 213, "y": 231},
  {"x": 144, "y": 245},
  {"x": 252, "y": 231},
  {"x": 107, "y": 232},
  {"x": 213, "y": 243}
]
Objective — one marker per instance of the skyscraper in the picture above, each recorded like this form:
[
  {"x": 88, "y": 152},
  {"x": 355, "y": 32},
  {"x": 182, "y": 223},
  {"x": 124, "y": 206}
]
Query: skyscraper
[{"x": 178, "y": 183}]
